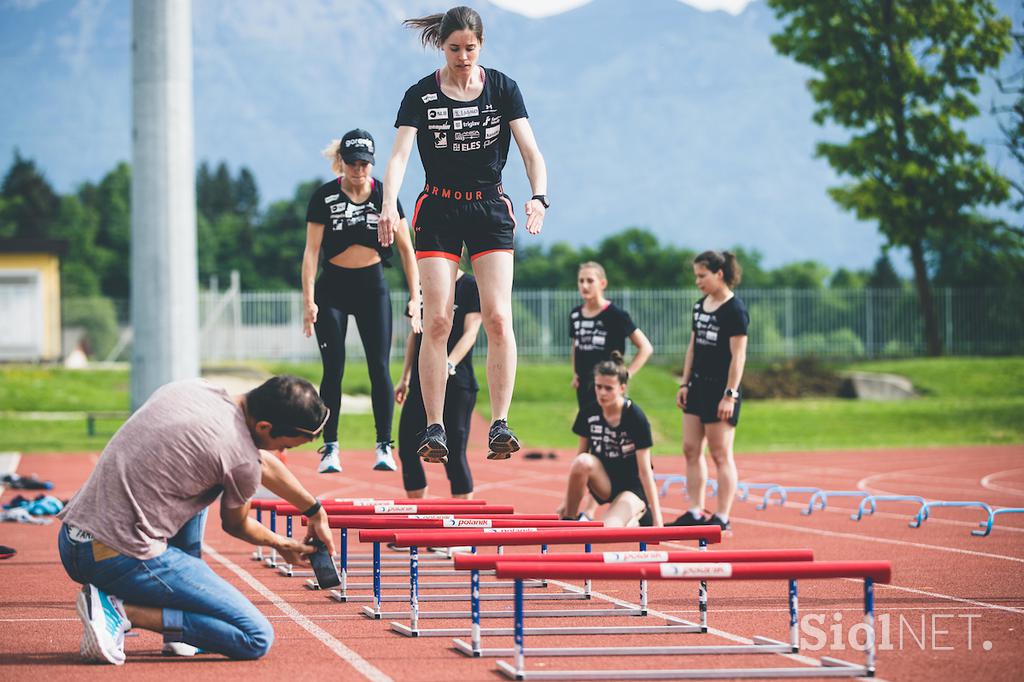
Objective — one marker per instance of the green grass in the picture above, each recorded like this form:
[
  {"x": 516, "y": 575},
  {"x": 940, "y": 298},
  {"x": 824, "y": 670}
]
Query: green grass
[{"x": 964, "y": 401}]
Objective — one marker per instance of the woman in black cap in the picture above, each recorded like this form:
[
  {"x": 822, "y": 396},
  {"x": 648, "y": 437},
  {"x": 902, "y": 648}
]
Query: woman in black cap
[
  {"x": 341, "y": 227},
  {"x": 463, "y": 118}
]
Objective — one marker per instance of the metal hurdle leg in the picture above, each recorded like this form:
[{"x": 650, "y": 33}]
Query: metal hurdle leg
[
  {"x": 271, "y": 560},
  {"x": 702, "y": 593}
]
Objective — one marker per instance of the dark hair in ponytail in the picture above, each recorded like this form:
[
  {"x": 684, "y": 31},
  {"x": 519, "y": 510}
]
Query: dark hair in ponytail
[
  {"x": 613, "y": 367},
  {"x": 435, "y": 28},
  {"x": 725, "y": 261}
]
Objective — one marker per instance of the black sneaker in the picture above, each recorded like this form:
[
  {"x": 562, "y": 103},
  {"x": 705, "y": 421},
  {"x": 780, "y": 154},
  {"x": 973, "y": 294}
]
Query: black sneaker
[
  {"x": 687, "y": 519},
  {"x": 715, "y": 520},
  {"x": 7, "y": 552},
  {"x": 434, "y": 446},
  {"x": 501, "y": 442}
]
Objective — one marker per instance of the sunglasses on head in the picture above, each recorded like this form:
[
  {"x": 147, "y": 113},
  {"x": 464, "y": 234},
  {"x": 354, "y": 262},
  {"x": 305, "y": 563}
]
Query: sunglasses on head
[{"x": 316, "y": 432}]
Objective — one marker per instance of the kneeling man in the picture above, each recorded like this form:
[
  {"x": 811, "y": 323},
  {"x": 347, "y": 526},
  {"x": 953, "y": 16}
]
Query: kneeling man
[{"x": 133, "y": 534}]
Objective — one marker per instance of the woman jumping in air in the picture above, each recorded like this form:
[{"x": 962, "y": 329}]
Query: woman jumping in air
[{"x": 462, "y": 118}]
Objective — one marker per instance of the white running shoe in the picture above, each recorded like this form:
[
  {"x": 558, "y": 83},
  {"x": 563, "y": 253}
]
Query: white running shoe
[
  {"x": 330, "y": 463},
  {"x": 385, "y": 460},
  {"x": 179, "y": 649},
  {"x": 105, "y": 623}
]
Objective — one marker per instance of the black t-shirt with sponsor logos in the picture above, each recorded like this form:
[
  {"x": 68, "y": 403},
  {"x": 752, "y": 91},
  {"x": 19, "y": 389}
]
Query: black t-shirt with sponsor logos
[
  {"x": 346, "y": 222},
  {"x": 463, "y": 145},
  {"x": 467, "y": 300},
  {"x": 616, "y": 446},
  {"x": 712, "y": 331},
  {"x": 594, "y": 338}
]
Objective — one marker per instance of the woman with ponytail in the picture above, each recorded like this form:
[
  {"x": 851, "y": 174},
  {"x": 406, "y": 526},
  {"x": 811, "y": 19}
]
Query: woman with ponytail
[
  {"x": 462, "y": 118},
  {"x": 614, "y": 460},
  {"x": 710, "y": 392}
]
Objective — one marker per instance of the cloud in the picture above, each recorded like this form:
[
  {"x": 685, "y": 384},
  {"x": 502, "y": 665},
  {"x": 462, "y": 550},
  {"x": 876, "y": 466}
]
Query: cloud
[
  {"x": 78, "y": 42},
  {"x": 21, "y": 5}
]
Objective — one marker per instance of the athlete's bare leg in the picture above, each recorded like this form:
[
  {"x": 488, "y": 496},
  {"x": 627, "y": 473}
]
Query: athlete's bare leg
[
  {"x": 585, "y": 472},
  {"x": 720, "y": 439},
  {"x": 437, "y": 279},
  {"x": 494, "y": 278},
  {"x": 624, "y": 511},
  {"x": 696, "y": 467}
]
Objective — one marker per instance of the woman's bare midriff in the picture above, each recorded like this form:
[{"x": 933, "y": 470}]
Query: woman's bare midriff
[{"x": 356, "y": 256}]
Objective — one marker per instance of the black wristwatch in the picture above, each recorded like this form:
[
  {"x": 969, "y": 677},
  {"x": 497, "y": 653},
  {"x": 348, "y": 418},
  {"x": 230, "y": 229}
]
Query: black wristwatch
[
  {"x": 543, "y": 199},
  {"x": 311, "y": 512},
  {"x": 732, "y": 393}
]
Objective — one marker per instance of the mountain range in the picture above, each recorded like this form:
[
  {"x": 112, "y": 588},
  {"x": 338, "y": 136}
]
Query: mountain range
[{"x": 649, "y": 113}]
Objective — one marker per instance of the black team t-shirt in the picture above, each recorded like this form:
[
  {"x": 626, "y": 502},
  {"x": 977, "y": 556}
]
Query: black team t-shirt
[
  {"x": 346, "y": 222},
  {"x": 594, "y": 338},
  {"x": 467, "y": 300},
  {"x": 616, "y": 446},
  {"x": 463, "y": 145},
  {"x": 712, "y": 331}
]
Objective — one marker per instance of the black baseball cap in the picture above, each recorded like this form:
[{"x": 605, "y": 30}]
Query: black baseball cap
[{"x": 357, "y": 145}]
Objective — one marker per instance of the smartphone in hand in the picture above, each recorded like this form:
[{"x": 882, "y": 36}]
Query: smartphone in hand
[{"x": 323, "y": 565}]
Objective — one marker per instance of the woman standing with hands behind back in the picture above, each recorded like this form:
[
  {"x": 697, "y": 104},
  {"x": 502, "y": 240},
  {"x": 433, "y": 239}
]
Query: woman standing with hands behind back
[
  {"x": 710, "y": 392},
  {"x": 463, "y": 117}
]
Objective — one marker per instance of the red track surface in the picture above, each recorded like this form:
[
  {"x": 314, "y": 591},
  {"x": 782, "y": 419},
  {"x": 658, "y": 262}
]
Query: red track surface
[{"x": 942, "y": 576}]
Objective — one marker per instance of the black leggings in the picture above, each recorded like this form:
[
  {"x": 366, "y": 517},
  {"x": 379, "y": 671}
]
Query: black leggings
[
  {"x": 363, "y": 293},
  {"x": 458, "y": 410}
]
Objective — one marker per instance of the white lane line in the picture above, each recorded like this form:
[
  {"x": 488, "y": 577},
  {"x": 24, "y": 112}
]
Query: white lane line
[
  {"x": 799, "y": 658},
  {"x": 362, "y": 666},
  {"x": 987, "y": 483},
  {"x": 972, "y": 602}
]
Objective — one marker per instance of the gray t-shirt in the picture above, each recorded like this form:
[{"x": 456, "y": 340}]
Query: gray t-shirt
[{"x": 169, "y": 461}]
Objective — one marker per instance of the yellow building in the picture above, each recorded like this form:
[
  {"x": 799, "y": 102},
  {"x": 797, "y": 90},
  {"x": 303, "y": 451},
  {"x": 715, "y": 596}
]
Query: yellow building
[{"x": 30, "y": 299}]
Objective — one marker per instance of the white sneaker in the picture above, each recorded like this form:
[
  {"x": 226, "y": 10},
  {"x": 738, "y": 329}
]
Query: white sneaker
[
  {"x": 179, "y": 649},
  {"x": 105, "y": 623},
  {"x": 330, "y": 463},
  {"x": 385, "y": 460}
]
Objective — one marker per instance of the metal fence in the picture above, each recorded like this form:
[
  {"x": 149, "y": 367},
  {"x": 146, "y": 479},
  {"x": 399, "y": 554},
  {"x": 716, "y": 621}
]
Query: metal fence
[{"x": 831, "y": 323}]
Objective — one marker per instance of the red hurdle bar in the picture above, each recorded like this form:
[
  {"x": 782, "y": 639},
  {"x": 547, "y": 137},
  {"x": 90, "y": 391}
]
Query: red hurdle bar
[
  {"x": 869, "y": 571},
  {"x": 477, "y": 562}
]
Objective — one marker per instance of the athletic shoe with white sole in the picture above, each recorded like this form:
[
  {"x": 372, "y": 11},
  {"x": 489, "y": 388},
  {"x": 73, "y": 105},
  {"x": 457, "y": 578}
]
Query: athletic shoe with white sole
[
  {"x": 330, "y": 463},
  {"x": 385, "y": 460},
  {"x": 179, "y": 649},
  {"x": 501, "y": 442},
  {"x": 105, "y": 623},
  {"x": 434, "y": 446}
]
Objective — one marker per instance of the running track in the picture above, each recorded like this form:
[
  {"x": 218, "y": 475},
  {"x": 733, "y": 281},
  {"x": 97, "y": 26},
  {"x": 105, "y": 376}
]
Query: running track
[{"x": 943, "y": 577}]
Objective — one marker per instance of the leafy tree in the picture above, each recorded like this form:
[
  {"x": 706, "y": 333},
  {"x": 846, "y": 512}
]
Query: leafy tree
[
  {"x": 803, "y": 275},
  {"x": 30, "y": 205},
  {"x": 1013, "y": 125},
  {"x": 848, "y": 279},
  {"x": 883, "y": 275},
  {"x": 900, "y": 74}
]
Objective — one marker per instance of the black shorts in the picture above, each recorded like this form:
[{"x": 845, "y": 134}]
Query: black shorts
[
  {"x": 444, "y": 218},
  {"x": 703, "y": 399}
]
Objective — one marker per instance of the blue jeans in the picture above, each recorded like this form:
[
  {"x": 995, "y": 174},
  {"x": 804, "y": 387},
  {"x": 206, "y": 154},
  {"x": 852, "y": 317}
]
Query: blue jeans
[{"x": 199, "y": 607}]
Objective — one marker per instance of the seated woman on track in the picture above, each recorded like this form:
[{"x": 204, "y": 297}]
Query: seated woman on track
[
  {"x": 614, "y": 460},
  {"x": 459, "y": 397}
]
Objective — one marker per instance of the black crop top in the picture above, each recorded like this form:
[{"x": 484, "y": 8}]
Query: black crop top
[{"x": 346, "y": 222}]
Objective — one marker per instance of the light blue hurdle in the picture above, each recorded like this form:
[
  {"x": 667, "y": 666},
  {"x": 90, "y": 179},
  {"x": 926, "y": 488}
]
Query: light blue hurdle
[
  {"x": 987, "y": 524},
  {"x": 820, "y": 498},
  {"x": 870, "y": 503},
  {"x": 783, "y": 491}
]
